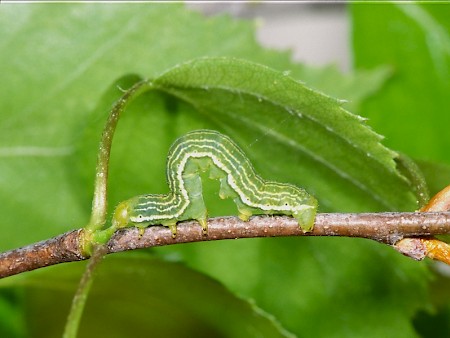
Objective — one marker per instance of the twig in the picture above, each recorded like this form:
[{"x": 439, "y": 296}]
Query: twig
[
  {"x": 386, "y": 228},
  {"x": 60, "y": 249},
  {"x": 419, "y": 248}
]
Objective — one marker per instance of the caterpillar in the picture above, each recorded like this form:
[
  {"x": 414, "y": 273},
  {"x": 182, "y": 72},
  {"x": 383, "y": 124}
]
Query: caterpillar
[{"x": 200, "y": 151}]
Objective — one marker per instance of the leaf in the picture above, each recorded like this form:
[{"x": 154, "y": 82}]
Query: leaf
[
  {"x": 435, "y": 322},
  {"x": 353, "y": 88},
  {"x": 363, "y": 289},
  {"x": 132, "y": 296},
  {"x": 319, "y": 145},
  {"x": 412, "y": 109},
  {"x": 12, "y": 323},
  {"x": 437, "y": 175},
  {"x": 411, "y": 170},
  {"x": 322, "y": 141}
]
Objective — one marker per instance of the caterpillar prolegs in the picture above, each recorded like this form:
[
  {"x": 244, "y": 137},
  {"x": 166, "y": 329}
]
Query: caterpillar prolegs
[{"x": 208, "y": 150}]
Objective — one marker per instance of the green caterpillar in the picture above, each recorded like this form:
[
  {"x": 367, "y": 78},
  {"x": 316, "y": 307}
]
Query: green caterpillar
[{"x": 204, "y": 150}]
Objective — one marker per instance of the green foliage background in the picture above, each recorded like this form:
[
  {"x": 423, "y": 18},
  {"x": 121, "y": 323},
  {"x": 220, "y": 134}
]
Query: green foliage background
[{"x": 62, "y": 68}]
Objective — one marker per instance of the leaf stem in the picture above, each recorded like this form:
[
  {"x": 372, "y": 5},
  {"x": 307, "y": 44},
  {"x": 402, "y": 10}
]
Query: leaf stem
[
  {"x": 80, "y": 298},
  {"x": 99, "y": 202}
]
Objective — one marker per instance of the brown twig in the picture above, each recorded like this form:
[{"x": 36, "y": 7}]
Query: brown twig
[
  {"x": 60, "y": 249},
  {"x": 419, "y": 248},
  {"x": 386, "y": 228}
]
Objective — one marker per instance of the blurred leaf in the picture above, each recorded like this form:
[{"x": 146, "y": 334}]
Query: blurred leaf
[
  {"x": 362, "y": 288},
  {"x": 412, "y": 109},
  {"x": 435, "y": 322},
  {"x": 437, "y": 175},
  {"x": 12, "y": 321},
  {"x": 136, "y": 295}
]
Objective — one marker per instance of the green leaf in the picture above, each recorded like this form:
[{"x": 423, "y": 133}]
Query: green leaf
[
  {"x": 411, "y": 170},
  {"x": 137, "y": 295},
  {"x": 353, "y": 88},
  {"x": 329, "y": 148},
  {"x": 12, "y": 321},
  {"x": 309, "y": 131},
  {"x": 412, "y": 109},
  {"x": 363, "y": 289},
  {"x": 435, "y": 322},
  {"x": 437, "y": 175}
]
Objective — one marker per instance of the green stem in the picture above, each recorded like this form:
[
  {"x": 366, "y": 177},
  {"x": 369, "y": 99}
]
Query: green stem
[
  {"x": 79, "y": 300},
  {"x": 92, "y": 244},
  {"x": 99, "y": 202}
]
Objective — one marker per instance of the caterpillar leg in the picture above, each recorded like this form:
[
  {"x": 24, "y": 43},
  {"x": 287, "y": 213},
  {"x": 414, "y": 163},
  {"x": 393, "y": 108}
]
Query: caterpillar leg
[
  {"x": 204, "y": 223},
  {"x": 141, "y": 230},
  {"x": 199, "y": 212},
  {"x": 305, "y": 218},
  {"x": 197, "y": 208},
  {"x": 173, "y": 228},
  {"x": 225, "y": 189},
  {"x": 244, "y": 212}
]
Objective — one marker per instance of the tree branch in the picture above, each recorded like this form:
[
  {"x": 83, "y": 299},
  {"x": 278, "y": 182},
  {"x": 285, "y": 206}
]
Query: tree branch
[
  {"x": 386, "y": 228},
  {"x": 60, "y": 249}
]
